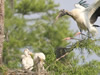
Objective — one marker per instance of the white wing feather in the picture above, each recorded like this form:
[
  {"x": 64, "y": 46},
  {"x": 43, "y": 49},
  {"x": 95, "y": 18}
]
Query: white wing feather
[
  {"x": 40, "y": 55},
  {"x": 88, "y": 12},
  {"x": 92, "y": 8},
  {"x": 79, "y": 6}
]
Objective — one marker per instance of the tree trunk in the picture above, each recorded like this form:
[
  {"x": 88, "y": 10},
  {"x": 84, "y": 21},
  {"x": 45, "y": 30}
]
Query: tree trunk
[{"x": 1, "y": 28}]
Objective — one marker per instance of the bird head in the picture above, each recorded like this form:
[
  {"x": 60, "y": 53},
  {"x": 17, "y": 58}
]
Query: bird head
[
  {"x": 30, "y": 53},
  {"x": 61, "y": 13},
  {"x": 27, "y": 52}
]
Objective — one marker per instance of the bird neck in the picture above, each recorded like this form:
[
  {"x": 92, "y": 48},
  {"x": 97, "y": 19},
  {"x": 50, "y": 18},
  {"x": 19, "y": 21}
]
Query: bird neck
[
  {"x": 68, "y": 13},
  {"x": 26, "y": 54},
  {"x": 75, "y": 14}
]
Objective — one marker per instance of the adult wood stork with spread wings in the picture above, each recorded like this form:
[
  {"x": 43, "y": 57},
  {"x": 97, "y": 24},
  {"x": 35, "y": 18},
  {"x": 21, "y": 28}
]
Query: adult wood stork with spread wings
[{"x": 84, "y": 16}]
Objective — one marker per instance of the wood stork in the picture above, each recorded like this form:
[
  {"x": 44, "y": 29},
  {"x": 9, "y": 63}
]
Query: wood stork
[
  {"x": 27, "y": 60},
  {"x": 39, "y": 59},
  {"x": 85, "y": 17},
  {"x": 40, "y": 55}
]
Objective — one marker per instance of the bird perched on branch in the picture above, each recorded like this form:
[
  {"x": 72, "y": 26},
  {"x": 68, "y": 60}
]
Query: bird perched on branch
[
  {"x": 27, "y": 60},
  {"x": 85, "y": 16},
  {"x": 39, "y": 59},
  {"x": 40, "y": 55}
]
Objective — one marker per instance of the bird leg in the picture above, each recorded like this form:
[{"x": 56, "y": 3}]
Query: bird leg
[
  {"x": 89, "y": 35},
  {"x": 78, "y": 33},
  {"x": 69, "y": 38},
  {"x": 82, "y": 34}
]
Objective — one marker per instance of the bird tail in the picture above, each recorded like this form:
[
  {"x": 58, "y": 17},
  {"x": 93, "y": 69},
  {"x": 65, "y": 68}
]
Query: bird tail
[
  {"x": 93, "y": 31},
  {"x": 96, "y": 25}
]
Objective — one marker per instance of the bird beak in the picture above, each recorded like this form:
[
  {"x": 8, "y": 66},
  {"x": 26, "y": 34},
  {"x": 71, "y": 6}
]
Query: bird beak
[
  {"x": 30, "y": 53},
  {"x": 57, "y": 17}
]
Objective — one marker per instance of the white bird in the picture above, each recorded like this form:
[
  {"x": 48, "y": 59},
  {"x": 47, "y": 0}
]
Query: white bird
[
  {"x": 27, "y": 60},
  {"x": 39, "y": 55},
  {"x": 85, "y": 17},
  {"x": 39, "y": 59}
]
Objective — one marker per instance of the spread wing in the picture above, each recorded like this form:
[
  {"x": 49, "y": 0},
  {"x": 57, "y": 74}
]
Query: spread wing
[
  {"x": 83, "y": 3},
  {"x": 95, "y": 15},
  {"x": 93, "y": 11}
]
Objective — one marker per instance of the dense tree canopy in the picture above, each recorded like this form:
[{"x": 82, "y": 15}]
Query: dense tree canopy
[{"x": 32, "y": 25}]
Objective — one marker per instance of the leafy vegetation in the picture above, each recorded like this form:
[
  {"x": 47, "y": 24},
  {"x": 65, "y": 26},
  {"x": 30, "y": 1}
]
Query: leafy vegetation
[{"x": 32, "y": 25}]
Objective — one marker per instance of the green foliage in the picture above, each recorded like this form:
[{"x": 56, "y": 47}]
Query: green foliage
[
  {"x": 90, "y": 45},
  {"x": 26, "y": 6},
  {"x": 91, "y": 68},
  {"x": 43, "y": 34},
  {"x": 13, "y": 25},
  {"x": 3, "y": 69}
]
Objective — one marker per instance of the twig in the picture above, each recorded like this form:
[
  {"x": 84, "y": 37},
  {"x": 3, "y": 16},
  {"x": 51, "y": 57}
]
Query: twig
[
  {"x": 68, "y": 51},
  {"x": 71, "y": 49}
]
